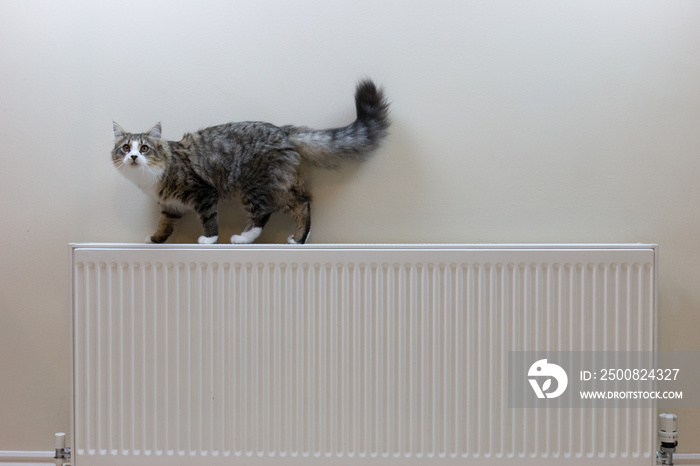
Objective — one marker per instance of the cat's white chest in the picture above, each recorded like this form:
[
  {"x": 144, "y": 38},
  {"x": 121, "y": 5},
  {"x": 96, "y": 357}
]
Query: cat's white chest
[{"x": 145, "y": 178}]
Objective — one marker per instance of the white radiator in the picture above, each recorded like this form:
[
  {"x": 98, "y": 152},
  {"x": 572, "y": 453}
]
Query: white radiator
[{"x": 387, "y": 355}]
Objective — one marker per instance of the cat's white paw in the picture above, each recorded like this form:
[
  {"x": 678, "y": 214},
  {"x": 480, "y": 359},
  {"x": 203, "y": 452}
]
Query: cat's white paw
[
  {"x": 207, "y": 239},
  {"x": 246, "y": 237},
  {"x": 291, "y": 239}
]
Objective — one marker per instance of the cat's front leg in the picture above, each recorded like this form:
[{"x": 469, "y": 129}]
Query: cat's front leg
[
  {"x": 166, "y": 225},
  {"x": 208, "y": 216}
]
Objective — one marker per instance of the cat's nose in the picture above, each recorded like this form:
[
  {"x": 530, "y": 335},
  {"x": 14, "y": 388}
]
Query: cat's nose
[{"x": 134, "y": 157}]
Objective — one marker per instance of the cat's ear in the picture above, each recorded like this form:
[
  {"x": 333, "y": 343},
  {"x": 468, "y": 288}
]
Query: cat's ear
[
  {"x": 155, "y": 132},
  {"x": 118, "y": 131}
]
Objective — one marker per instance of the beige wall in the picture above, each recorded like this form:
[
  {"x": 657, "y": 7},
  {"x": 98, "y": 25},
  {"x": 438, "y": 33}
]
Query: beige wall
[{"x": 514, "y": 121}]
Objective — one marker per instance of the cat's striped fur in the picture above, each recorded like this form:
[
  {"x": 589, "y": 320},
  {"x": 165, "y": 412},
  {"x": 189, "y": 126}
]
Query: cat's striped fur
[{"x": 263, "y": 164}]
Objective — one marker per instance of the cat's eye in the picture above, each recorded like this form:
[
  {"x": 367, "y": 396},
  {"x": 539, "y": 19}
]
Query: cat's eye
[
  {"x": 144, "y": 149},
  {"x": 126, "y": 148}
]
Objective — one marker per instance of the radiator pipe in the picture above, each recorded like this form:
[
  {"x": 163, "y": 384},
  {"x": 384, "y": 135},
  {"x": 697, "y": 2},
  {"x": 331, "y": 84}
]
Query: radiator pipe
[
  {"x": 26, "y": 456},
  {"x": 59, "y": 455}
]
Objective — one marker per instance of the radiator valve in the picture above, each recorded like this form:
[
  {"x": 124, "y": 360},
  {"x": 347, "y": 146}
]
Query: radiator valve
[
  {"x": 668, "y": 438},
  {"x": 62, "y": 452}
]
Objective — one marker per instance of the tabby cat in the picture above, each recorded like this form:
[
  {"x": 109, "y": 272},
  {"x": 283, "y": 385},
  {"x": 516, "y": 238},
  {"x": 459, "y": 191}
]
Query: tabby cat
[{"x": 263, "y": 164}]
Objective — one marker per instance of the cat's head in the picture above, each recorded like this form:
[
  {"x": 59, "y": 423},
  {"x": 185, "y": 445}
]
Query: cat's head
[{"x": 139, "y": 155}]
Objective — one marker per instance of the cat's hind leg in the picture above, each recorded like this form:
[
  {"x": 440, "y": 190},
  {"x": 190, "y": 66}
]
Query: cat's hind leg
[
  {"x": 252, "y": 230},
  {"x": 299, "y": 206}
]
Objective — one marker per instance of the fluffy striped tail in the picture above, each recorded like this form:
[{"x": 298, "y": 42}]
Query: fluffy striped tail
[{"x": 327, "y": 148}]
